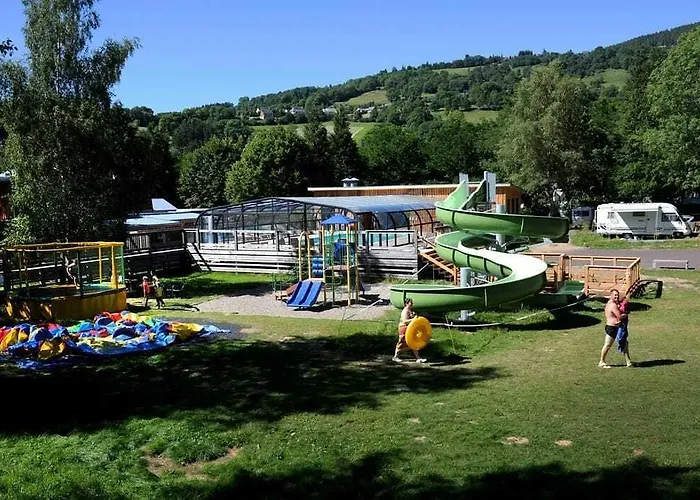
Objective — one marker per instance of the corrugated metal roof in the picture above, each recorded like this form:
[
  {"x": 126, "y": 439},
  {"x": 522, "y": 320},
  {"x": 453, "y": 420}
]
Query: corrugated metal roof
[{"x": 369, "y": 204}]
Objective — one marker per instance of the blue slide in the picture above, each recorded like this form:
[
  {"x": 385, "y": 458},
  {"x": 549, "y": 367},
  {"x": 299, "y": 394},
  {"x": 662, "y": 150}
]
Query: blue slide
[{"x": 305, "y": 294}]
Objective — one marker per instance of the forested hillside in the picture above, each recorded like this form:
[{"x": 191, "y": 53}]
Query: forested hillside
[
  {"x": 410, "y": 95},
  {"x": 618, "y": 123}
]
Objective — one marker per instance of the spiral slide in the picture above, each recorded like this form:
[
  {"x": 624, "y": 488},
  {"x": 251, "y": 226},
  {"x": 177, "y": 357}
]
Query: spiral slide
[{"x": 519, "y": 276}]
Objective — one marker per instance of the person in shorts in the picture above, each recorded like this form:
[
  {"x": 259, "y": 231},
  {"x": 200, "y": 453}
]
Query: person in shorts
[
  {"x": 613, "y": 319},
  {"x": 407, "y": 314}
]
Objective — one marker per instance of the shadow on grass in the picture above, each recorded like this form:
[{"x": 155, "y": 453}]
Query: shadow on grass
[
  {"x": 638, "y": 306},
  {"x": 371, "y": 477},
  {"x": 657, "y": 362},
  {"x": 202, "y": 286},
  {"x": 238, "y": 381},
  {"x": 568, "y": 321}
]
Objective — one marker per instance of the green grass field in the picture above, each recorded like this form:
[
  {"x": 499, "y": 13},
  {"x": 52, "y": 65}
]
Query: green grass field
[
  {"x": 614, "y": 77},
  {"x": 357, "y": 129},
  {"x": 474, "y": 116},
  {"x": 377, "y": 97},
  {"x": 589, "y": 239},
  {"x": 313, "y": 408}
]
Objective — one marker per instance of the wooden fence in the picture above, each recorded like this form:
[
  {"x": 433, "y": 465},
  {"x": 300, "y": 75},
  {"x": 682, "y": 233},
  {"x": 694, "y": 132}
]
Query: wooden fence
[{"x": 599, "y": 274}]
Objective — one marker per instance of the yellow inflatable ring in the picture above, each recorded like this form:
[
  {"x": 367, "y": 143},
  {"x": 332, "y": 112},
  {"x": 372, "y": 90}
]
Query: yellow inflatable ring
[{"x": 418, "y": 333}]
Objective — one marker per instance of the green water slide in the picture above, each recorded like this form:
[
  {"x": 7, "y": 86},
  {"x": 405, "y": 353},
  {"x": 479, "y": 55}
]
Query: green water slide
[{"x": 518, "y": 276}]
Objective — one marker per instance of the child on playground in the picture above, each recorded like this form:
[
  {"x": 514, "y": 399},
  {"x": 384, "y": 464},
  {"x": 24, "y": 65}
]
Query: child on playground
[
  {"x": 146, "y": 290},
  {"x": 158, "y": 292},
  {"x": 622, "y": 330}
]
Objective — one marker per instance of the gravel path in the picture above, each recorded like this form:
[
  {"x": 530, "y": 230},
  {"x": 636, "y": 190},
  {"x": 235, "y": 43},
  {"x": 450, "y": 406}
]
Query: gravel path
[{"x": 261, "y": 301}]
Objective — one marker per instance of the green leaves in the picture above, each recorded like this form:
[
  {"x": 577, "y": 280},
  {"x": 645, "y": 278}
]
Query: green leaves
[
  {"x": 275, "y": 162},
  {"x": 203, "y": 172},
  {"x": 79, "y": 166},
  {"x": 551, "y": 147}
]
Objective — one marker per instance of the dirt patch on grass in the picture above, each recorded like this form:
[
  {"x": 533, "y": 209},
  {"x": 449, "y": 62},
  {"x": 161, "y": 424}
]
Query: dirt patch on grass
[
  {"x": 161, "y": 466},
  {"x": 564, "y": 443},
  {"x": 554, "y": 248},
  {"x": 515, "y": 440}
]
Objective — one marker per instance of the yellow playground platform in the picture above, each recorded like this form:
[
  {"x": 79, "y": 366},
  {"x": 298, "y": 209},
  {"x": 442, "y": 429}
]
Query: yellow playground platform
[{"x": 63, "y": 281}]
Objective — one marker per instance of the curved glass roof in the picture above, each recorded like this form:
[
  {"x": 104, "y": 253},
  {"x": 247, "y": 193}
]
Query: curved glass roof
[
  {"x": 369, "y": 204},
  {"x": 307, "y": 212}
]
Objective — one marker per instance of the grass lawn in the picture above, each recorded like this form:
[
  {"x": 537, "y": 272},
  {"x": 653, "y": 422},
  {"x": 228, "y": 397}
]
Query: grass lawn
[
  {"x": 357, "y": 129},
  {"x": 312, "y": 408},
  {"x": 378, "y": 97},
  {"x": 613, "y": 77},
  {"x": 589, "y": 239},
  {"x": 474, "y": 116}
]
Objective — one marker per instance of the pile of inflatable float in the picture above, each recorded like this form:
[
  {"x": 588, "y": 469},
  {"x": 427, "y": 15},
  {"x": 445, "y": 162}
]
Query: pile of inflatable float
[{"x": 110, "y": 334}]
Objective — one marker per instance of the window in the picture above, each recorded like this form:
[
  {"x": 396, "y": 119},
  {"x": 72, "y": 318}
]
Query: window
[
  {"x": 638, "y": 214},
  {"x": 669, "y": 217}
]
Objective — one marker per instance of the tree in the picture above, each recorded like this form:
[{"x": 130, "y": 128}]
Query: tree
[
  {"x": 550, "y": 147},
  {"x": 275, "y": 162},
  {"x": 7, "y": 47},
  {"x": 344, "y": 154},
  {"x": 203, "y": 172},
  {"x": 143, "y": 116},
  {"x": 316, "y": 137},
  {"x": 451, "y": 147},
  {"x": 392, "y": 155},
  {"x": 671, "y": 140},
  {"x": 74, "y": 157}
]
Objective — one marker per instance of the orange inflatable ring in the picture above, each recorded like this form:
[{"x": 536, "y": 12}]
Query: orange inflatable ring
[{"x": 418, "y": 333}]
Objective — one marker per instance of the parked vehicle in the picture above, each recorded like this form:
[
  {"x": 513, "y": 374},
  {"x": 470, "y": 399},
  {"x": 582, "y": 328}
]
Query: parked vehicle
[
  {"x": 582, "y": 217},
  {"x": 640, "y": 219}
]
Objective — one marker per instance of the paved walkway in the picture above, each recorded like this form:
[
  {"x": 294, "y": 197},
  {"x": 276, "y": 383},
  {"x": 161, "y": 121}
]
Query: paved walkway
[{"x": 647, "y": 255}]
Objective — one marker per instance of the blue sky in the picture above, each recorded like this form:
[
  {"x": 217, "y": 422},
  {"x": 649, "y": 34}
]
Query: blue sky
[{"x": 195, "y": 52}]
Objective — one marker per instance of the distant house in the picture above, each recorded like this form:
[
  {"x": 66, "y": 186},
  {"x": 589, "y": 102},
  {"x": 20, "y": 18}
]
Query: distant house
[
  {"x": 296, "y": 111},
  {"x": 265, "y": 114},
  {"x": 366, "y": 109},
  {"x": 329, "y": 111}
]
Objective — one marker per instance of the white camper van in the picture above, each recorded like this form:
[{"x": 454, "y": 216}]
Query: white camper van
[{"x": 640, "y": 219}]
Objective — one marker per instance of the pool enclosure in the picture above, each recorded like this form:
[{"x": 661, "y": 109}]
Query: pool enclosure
[{"x": 263, "y": 235}]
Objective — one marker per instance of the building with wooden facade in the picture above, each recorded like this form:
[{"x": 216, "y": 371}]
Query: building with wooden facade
[{"x": 507, "y": 195}]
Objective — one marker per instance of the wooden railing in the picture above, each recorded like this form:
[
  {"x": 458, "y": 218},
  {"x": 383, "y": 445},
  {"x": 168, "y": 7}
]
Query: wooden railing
[
  {"x": 599, "y": 274},
  {"x": 449, "y": 269}
]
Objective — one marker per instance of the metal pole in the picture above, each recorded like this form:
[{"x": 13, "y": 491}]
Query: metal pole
[
  {"x": 501, "y": 238},
  {"x": 465, "y": 274}
]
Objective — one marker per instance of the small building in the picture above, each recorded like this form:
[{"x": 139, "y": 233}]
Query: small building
[
  {"x": 296, "y": 111},
  {"x": 330, "y": 112},
  {"x": 265, "y": 114},
  {"x": 156, "y": 239}
]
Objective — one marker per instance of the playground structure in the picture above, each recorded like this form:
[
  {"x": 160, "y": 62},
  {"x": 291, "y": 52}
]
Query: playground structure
[
  {"x": 63, "y": 280},
  {"x": 326, "y": 259}
]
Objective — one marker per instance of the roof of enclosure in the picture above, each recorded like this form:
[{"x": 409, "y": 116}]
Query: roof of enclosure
[
  {"x": 369, "y": 204},
  {"x": 306, "y": 213}
]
